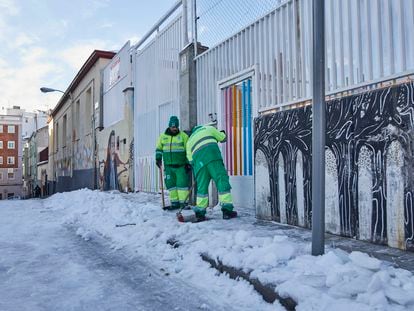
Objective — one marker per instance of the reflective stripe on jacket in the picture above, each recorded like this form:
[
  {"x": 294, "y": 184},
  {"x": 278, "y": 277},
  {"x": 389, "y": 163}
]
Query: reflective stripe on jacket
[
  {"x": 202, "y": 146},
  {"x": 172, "y": 149}
]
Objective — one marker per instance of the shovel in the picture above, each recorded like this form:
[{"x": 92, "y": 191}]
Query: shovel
[
  {"x": 180, "y": 216},
  {"x": 162, "y": 188}
]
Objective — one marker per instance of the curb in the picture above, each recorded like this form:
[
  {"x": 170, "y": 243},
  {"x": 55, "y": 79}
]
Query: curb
[{"x": 266, "y": 291}]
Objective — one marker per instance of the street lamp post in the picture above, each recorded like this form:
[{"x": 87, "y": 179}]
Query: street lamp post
[
  {"x": 48, "y": 90},
  {"x": 318, "y": 130}
]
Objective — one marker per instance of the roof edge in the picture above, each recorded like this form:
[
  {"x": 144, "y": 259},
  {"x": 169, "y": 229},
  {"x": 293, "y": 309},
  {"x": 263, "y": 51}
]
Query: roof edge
[{"x": 92, "y": 59}]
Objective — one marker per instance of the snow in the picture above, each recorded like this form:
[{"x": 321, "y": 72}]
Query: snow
[
  {"x": 46, "y": 266},
  {"x": 334, "y": 281}
]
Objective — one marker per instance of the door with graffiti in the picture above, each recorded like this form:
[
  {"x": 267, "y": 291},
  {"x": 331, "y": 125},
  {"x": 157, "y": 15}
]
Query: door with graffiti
[{"x": 236, "y": 118}]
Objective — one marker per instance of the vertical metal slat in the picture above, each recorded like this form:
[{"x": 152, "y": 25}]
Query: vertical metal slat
[
  {"x": 402, "y": 45},
  {"x": 333, "y": 72},
  {"x": 272, "y": 59},
  {"x": 369, "y": 40},
  {"x": 388, "y": 19},
  {"x": 340, "y": 11},
  {"x": 378, "y": 34},
  {"x": 360, "y": 69}
]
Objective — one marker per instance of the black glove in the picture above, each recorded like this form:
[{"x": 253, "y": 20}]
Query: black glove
[
  {"x": 188, "y": 168},
  {"x": 158, "y": 162},
  {"x": 225, "y": 139}
]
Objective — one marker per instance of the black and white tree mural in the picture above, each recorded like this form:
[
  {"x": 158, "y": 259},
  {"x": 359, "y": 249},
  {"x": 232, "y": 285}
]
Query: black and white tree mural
[{"x": 369, "y": 165}]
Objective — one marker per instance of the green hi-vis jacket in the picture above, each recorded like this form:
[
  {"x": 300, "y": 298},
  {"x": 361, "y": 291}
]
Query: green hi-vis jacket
[
  {"x": 202, "y": 146},
  {"x": 171, "y": 149}
]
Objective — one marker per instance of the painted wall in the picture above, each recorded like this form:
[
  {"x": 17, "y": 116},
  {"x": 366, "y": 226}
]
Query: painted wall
[
  {"x": 73, "y": 154},
  {"x": 115, "y": 141},
  {"x": 115, "y": 156},
  {"x": 369, "y": 166}
]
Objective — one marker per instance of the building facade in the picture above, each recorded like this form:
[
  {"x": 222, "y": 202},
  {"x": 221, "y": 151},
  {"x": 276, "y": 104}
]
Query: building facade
[
  {"x": 115, "y": 137},
  {"x": 73, "y": 126},
  {"x": 36, "y": 153},
  {"x": 11, "y": 182}
]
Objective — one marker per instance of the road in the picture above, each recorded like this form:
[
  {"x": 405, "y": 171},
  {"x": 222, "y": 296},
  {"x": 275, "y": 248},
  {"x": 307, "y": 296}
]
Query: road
[{"x": 46, "y": 266}]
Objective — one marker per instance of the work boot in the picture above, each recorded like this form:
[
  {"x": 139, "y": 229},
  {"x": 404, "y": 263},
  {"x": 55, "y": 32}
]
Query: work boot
[
  {"x": 200, "y": 213},
  {"x": 229, "y": 214},
  {"x": 185, "y": 206},
  {"x": 200, "y": 218},
  {"x": 174, "y": 206}
]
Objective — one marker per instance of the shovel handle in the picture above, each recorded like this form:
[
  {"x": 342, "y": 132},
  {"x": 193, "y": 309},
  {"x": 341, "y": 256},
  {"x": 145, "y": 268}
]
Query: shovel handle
[{"x": 162, "y": 188}]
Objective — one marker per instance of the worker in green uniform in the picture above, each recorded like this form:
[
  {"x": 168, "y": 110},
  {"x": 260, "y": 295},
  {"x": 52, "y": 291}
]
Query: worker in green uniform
[
  {"x": 171, "y": 148},
  {"x": 205, "y": 157}
]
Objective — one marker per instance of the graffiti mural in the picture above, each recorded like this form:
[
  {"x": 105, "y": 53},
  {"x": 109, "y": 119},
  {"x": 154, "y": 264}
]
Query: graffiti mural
[
  {"x": 369, "y": 166},
  {"x": 83, "y": 153},
  {"x": 114, "y": 164},
  {"x": 63, "y": 162},
  {"x": 111, "y": 165}
]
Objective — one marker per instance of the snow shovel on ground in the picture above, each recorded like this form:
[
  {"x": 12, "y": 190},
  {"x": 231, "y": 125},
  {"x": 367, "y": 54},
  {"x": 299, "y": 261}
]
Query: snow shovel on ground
[{"x": 180, "y": 216}]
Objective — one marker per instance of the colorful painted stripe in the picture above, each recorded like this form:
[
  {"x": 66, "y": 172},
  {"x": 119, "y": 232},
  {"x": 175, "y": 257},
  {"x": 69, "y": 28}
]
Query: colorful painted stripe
[{"x": 237, "y": 112}]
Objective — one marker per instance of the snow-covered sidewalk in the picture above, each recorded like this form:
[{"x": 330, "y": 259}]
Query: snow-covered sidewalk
[{"x": 334, "y": 281}]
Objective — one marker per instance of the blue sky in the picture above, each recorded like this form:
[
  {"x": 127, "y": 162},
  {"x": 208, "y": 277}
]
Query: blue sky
[{"x": 45, "y": 42}]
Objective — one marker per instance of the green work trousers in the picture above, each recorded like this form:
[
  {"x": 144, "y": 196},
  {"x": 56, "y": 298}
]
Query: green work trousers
[
  {"x": 214, "y": 170},
  {"x": 176, "y": 181}
]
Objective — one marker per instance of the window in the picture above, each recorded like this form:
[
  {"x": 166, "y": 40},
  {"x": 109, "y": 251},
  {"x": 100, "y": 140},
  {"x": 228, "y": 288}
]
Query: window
[
  {"x": 1, "y": 176},
  {"x": 10, "y": 145},
  {"x": 10, "y": 160},
  {"x": 57, "y": 136},
  {"x": 1, "y": 160},
  {"x": 10, "y": 176},
  {"x": 88, "y": 111},
  {"x": 1, "y": 144},
  {"x": 77, "y": 119},
  {"x": 11, "y": 129},
  {"x": 1, "y": 128},
  {"x": 65, "y": 130}
]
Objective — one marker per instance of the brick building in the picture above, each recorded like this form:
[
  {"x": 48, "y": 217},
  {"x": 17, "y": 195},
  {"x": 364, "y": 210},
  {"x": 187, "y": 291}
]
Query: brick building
[{"x": 10, "y": 156}]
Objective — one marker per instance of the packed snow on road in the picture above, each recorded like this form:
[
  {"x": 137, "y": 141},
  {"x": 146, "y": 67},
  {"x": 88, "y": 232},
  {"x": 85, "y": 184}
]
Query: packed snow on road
[{"x": 91, "y": 250}]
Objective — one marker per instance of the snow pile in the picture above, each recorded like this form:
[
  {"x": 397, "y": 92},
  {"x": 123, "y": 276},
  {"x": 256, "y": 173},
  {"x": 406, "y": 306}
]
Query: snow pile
[{"x": 337, "y": 280}]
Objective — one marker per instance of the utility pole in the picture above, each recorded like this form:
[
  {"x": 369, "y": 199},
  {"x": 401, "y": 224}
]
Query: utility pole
[
  {"x": 185, "y": 22},
  {"x": 318, "y": 129},
  {"x": 194, "y": 25}
]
